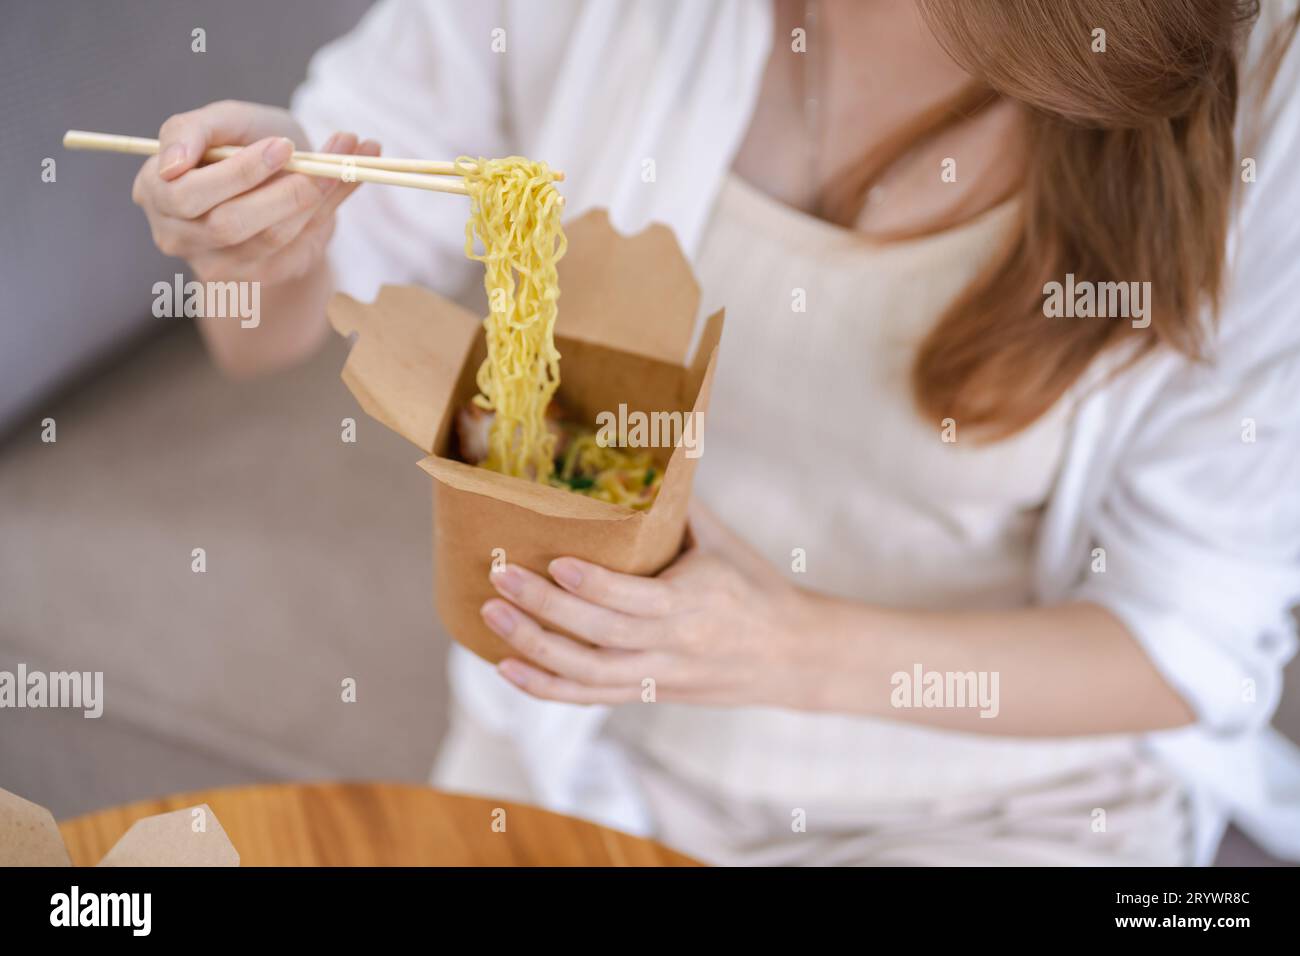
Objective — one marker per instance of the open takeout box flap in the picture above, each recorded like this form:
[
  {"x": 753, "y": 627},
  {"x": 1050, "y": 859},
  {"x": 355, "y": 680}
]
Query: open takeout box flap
[
  {"x": 632, "y": 293},
  {"x": 174, "y": 839},
  {"x": 29, "y": 836},
  {"x": 677, "y": 479},
  {"x": 407, "y": 358},
  {"x": 705, "y": 358}
]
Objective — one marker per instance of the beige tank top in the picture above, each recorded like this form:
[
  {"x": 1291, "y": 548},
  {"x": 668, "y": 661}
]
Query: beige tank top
[{"x": 812, "y": 442}]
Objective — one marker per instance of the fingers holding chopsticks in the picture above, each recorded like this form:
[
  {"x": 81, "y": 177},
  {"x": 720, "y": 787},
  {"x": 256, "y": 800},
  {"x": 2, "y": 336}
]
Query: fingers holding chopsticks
[
  {"x": 278, "y": 211},
  {"x": 197, "y": 191},
  {"x": 281, "y": 228},
  {"x": 294, "y": 245},
  {"x": 244, "y": 216}
]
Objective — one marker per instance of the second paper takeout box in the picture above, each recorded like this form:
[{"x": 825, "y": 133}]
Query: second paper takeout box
[
  {"x": 30, "y": 837},
  {"x": 627, "y": 316}
]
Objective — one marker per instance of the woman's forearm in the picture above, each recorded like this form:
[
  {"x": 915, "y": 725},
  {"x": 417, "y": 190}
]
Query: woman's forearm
[
  {"x": 290, "y": 327},
  {"x": 1067, "y": 670}
]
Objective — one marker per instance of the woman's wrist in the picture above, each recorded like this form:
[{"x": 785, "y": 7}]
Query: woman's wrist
[
  {"x": 292, "y": 325},
  {"x": 833, "y": 652}
]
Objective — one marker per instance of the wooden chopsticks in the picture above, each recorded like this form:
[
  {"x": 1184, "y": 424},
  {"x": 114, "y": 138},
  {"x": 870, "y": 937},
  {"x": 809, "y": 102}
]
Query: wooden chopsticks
[{"x": 415, "y": 173}]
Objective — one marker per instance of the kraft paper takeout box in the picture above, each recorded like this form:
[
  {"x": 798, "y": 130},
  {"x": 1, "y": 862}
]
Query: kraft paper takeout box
[
  {"x": 627, "y": 314},
  {"x": 30, "y": 837}
]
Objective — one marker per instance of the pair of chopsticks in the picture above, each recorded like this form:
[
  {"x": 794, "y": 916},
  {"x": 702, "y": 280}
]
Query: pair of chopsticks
[{"x": 417, "y": 173}]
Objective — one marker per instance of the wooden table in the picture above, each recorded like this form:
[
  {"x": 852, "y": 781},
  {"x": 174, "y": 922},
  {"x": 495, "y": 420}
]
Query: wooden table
[{"x": 378, "y": 824}]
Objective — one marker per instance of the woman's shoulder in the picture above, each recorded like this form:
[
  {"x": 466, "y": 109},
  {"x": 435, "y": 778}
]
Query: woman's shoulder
[{"x": 1261, "y": 298}]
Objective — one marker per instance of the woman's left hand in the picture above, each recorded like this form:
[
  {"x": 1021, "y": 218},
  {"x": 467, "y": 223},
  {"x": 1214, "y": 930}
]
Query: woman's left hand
[{"x": 718, "y": 626}]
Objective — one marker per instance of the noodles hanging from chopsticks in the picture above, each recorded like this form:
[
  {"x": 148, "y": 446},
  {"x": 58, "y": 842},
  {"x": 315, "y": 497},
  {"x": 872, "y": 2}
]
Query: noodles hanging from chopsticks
[{"x": 515, "y": 215}]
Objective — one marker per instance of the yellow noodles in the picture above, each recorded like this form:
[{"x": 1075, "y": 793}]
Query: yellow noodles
[
  {"x": 620, "y": 477},
  {"x": 515, "y": 214}
]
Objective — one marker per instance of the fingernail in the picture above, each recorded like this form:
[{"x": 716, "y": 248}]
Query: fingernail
[
  {"x": 331, "y": 144},
  {"x": 511, "y": 671},
  {"x": 173, "y": 156},
  {"x": 566, "y": 572},
  {"x": 509, "y": 580},
  {"x": 277, "y": 152},
  {"x": 499, "y": 617}
]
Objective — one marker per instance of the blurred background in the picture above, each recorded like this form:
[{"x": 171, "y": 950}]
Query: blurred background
[{"x": 318, "y": 552}]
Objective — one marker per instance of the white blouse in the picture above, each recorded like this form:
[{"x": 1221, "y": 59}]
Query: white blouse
[{"x": 1200, "y": 527}]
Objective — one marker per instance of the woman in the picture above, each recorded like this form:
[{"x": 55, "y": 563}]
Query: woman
[{"x": 920, "y": 470}]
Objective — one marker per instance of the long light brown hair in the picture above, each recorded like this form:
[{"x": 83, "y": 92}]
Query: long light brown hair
[{"x": 1129, "y": 175}]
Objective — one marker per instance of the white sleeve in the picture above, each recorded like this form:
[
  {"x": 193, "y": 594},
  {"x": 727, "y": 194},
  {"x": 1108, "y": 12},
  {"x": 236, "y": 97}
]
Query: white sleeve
[
  {"x": 421, "y": 78},
  {"x": 1201, "y": 531},
  {"x": 1201, "y": 521}
]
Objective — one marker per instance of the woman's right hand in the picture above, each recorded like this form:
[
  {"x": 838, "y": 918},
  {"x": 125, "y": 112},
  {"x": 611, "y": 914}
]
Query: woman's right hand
[{"x": 241, "y": 218}]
